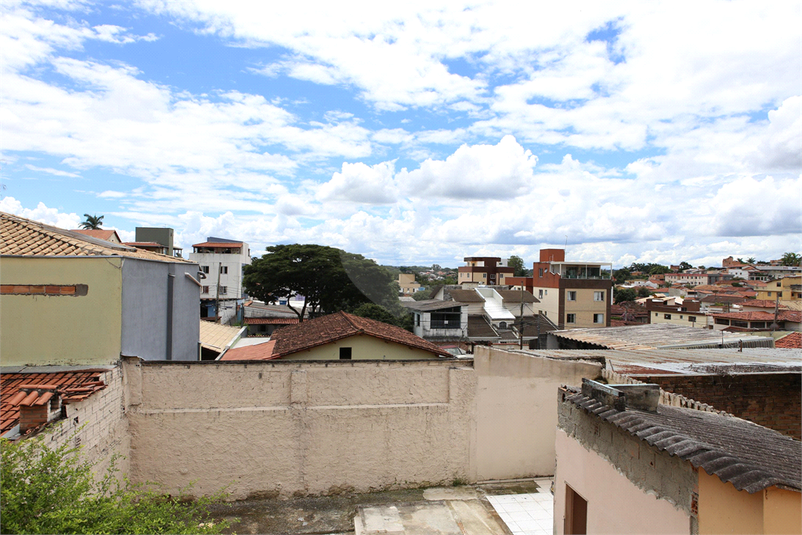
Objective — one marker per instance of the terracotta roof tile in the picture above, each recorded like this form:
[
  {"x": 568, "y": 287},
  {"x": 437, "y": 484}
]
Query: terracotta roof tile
[
  {"x": 793, "y": 340},
  {"x": 271, "y": 321},
  {"x": 760, "y": 315},
  {"x": 100, "y": 234},
  {"x": 24, "y": 237},
  {"x": 71, "y": 385}
]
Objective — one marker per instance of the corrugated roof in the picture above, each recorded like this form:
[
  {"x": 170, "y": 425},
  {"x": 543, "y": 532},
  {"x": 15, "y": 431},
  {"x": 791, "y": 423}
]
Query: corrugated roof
[
  {"x": 23, "y": 237},
  {"x": 326, "y": 329},
  {"x": 272, "y": 321},
  {"x": 516, "y": 296},
  {"x": 749, "y": 456},
  {"x": 650, "y": 336},
  {"x": 465, "y": 296},
  {"x": 428, "y": 305},
  {"x": 479, "y": 328},
  {"x": 71, "y": 385},
  {"x": 216, "y": 337}
]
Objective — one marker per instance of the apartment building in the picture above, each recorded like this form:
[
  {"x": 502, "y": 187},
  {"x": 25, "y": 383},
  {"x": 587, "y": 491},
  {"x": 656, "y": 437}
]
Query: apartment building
[
  {"x": 484, "y": 270},
  {"x": 221, "y": 261},
  {"x": 787, "y": 288},
  {"x": 572, "y": 294}
]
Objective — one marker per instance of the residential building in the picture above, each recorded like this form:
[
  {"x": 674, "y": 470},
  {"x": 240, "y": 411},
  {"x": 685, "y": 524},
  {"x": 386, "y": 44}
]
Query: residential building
[
  {"x": 339, "y": 336},
  {"x": 94, "y": 299},
  {"x": 628, "y": 464},
  {"x": 786, "y": 320},
  {"x": 685, "y": 312},
  {"x": 787, "y": 288},
  {"x": 407, "y": 284},
  {"x": 222, "y": 261},
  {"x": 484, "y": 270},
  {"x": 150, "y": 238},
  {"x": 572, "y": 294},
  {"x": 694, "y": 279},
  {"x": 100, "y": 234}
]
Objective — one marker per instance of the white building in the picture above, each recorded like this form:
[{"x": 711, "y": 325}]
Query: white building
[{"x": 222, "y": 262}]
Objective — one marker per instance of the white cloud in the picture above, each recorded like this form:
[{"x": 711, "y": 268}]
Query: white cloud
[
  {"x": 49, "y": 216},
  {"x": 361, "y": 183},
  {"x": 52, "y": 171}
]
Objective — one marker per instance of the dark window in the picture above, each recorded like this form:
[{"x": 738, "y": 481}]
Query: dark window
[
  {"x": 446, "y": 319},
  {"x": 570, "y": 318},
  {"x": 576, "y": 513},
  {"x": 692, "y": 318},
  {"x": 345, "y": 353},
  {"x": 205, "y": 269},
  {"x": 667, "y": 316}
]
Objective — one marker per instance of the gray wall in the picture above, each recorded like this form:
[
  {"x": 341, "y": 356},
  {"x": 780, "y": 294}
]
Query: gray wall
[{"x": 145, "y": 310}]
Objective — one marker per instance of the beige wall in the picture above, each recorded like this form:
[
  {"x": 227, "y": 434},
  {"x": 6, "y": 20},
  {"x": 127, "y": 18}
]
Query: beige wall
[
  {"x": 679, "y": 318},
  {"x": 549, "y": 303},
  {"x": 363, "y": 348},
  {"x": 78, "y": 329},
  {"x": 724, "y": 509},
  {"x": 615, "y": 504},
  {"x": 516, "y": 403},
  {"x": 584, "y": 307},
  {"x": 281, "y": 428}
]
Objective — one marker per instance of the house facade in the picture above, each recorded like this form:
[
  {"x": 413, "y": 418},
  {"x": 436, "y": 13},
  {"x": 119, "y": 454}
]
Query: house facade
[
  {"x": 572, "y": 294},
  {"x": 221, "y": 261},
  {"x": 484, "y": 270},
  {"x": 786, "y": 288}
]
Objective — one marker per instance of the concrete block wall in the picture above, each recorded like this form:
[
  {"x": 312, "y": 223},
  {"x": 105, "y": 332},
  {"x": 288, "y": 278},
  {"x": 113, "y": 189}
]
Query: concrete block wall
[
  {"x": 99, "y": 426},
  {"x": 294, "y": 428},
  {"x": 769, "y": 399}
]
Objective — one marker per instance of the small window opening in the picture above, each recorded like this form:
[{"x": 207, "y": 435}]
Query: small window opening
[{"x": 345, "y": 353}]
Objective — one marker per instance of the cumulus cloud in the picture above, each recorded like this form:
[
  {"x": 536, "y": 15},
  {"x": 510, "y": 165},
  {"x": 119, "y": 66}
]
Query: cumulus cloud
[
  {"x": 777, "y": 212},
  {"x": 49, "y": 216},
  {"x": 361, "y": 183}
]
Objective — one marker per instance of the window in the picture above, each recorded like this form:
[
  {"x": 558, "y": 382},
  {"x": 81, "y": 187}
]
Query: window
[
  {"x": 223, "y": 270},
  {"x": 417, "y": 320},
  {"x": 223, "y": 290},
  {"x": 345, "y": 353},
  {"x": 540, "y": 272},
  {"x": 598, "y": 318},
  {"x": 570, "y": 318},
  {"x": 205, "y": 289},
  {"x": 205, "y": 269},
  {"x": 667, "y": 316},
  {"x": 484, "y": 275},
  {"x": 571, "y": 296},
  {"x": 448, "y": 318},
  {"x": 576, "y": 513},
  {"x": 540, "y": 294},
  {"x": 598, "y": 296},
  {"x": 692, "y": 319}
]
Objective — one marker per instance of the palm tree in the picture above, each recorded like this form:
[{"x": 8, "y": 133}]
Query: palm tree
[
  {"x": 750, "y": 260},
  {"x": 791, "y": 259},
  {"x": 92, "y": 222}
]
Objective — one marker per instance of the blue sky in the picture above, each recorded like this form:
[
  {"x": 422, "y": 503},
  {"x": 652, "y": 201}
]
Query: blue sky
[{"x": 419, "y": 133}]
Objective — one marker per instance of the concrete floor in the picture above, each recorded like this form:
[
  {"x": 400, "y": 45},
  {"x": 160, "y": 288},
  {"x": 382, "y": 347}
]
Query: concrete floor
[{"x": 497, "y": 508}]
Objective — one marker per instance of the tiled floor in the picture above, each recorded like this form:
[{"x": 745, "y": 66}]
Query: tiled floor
[{"x": 526, "y": 514}]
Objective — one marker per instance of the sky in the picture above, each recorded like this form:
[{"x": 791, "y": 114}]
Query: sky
[{"x": 412, "y": 132}]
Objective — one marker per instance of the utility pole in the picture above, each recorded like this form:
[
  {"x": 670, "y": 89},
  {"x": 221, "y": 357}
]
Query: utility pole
[{"x": 521, "y": 329}]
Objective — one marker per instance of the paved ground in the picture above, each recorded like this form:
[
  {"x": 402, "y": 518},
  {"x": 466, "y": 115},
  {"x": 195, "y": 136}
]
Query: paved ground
[{"x": 470, "y": 510}]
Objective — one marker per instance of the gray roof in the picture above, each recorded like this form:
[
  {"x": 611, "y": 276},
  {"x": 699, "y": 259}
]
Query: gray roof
[
  {"x": 479, "y": 328},
  {"x": 657, "y": 335},
  {"x": 749, "y": 456},
  {"x": 516, "y": 296},
  {"x": 428, "y": 305},
  {"x": 465, "y": 296}
]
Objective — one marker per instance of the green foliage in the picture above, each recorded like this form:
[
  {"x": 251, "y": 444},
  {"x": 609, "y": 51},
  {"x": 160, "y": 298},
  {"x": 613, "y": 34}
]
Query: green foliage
[
  {"x": 624, "y": 294},
  {"x": 684, "y": 265},
  {"x": 421, "y": 295},
  {"x": 329, "y": 279},
  {"x": 791, "y": 259},
  {"x": 517, "y": 263},
  {"x": 47, "y": 490},
  {"x": 643, "y": 291},
  {"x": 92, "y": 222},
  {"x": 621, "y": 275}
]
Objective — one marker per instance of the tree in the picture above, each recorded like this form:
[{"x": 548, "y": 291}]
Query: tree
[
  {"x": 750, "y": 260},
  {"x": 684, "y": 265},
  {"x": 421, "y": 295},
  {"x": 329, "y": 279},
  {"x": 624, "y": 294},
  {"x": 621, "y": 275},
  {"x": 92, "y": 222},
  {"x": 791, "y": 259},
  {"x": 45, "y": 490},
  {"x": 643, "y": 291},
  {"x": 517, "y": 263},
  {"x": 379, "y": 313}
]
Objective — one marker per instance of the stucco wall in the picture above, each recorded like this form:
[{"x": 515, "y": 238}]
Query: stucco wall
[
  {"x": 283, "y": 428},
  {"x": 517, "y": 410},
  {"x": 363, "y": 348},
  {"x": 615, "y": 504},
  {"x": 145, "y": 310},
  {"x": 81, "y": 329}
]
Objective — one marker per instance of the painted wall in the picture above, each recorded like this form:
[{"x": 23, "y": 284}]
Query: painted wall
[
  {"x": 145, "y": 318},
  {"x": 281, "y": 428},
  {"x": 615, "y": 504},
  {"x": 584, "y": 307},
  {"x": 81, "y": 329},
  {"x": 782, "y": 511},
  {"x": 516, "y": 403},
  {"x": 363, "y": 348}
]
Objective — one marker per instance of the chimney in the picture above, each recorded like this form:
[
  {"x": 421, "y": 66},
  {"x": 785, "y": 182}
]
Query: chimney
[
  {"x": 643, "y": 396},
  {"x": 38, "y": 404}
]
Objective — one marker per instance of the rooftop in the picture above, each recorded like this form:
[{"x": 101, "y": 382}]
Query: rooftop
[
  {"x": 100, "y": 234},
  {"x": 326, "y": 329},
  {"x": 749, "y": 456},
  {"x": 429, "y": 305},
  {"x": 793, "y": 340},
  {"x": 760, "y": 315},
  {"x": 217, "y": 337},
  {"x": 24, "y": 237}
]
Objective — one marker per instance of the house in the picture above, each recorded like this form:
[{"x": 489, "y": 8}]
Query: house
[
  {"x": 94, "y": 299},
  {"x": 692, "y": 278},
  {"x": 216, "y": 339},
  {"x": 572, "y": 294},
  {"x": 484, "y": 270},
  {"x": 787, "y": 288},
  {"x": 157, "y": 240},
  {"x": 786, "y": 320},
  {"x": 262, "y": 319},
  {"x": 407, "y": 284},
  {"x": 339, "y": 336},
  {"x": 676, "y": 310},
  {"x": 628, "y": 464},
  {"x": 100, "y": 234},
  {"x": 221, "y": 260},
  {"x": 440, "y": 321}
]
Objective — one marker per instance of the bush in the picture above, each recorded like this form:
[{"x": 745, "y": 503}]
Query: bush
[{"x": 45, "y": 490}]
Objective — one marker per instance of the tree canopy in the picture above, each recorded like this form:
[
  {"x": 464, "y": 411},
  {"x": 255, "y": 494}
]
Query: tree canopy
[
  {"x": 517, "y": 263},
  {"x": 92, "y": 222},
  {"x": 791, "y": 259},
  {"x": 329, "y": 279}
]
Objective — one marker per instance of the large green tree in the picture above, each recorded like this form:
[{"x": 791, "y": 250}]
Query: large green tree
[
  {"x": 517, "y": 263},
  {"x": 329, "y": 279},
  {"x": 791, "y": 259}
]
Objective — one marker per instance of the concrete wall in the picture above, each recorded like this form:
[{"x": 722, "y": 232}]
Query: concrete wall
[
  {"x": 615, "y": 504},
  {"x": 145, "y": 322},
  {"x": 769, "y": 399},
  {"x": 284, "y": 428},
  {"x": 81, "y": 329},
  {"x": 517, "y": 410},
  {"x": 363, "y": 347},
  {"x": 98, "y": 425}
]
